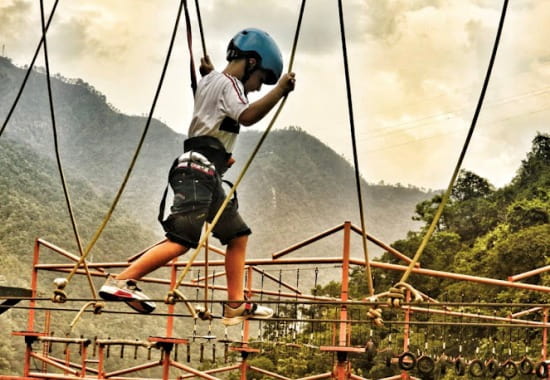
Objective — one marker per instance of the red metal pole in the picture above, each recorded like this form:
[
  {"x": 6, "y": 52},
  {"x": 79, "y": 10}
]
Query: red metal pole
[
  {"x": 100, "y": 371},
  {"x": 34, "y": 285},
  {"x": 406, "y": 332},
  {"x": 342, "y": 362},
  {"x": 343, "y": 341},
  {"x": 171, "y": 307},
  {"x": 166, "y": 363},
  {"x": 84, "y": 357},
  {"x": 544, "y": 350}
]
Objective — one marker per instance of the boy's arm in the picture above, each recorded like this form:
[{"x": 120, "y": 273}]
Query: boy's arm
[{"x": 257, "y": 110}]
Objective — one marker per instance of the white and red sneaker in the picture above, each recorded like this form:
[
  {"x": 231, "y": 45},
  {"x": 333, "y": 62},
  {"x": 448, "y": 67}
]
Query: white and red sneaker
[
  {"x": 233, "y": 316},
  {"x": 127, "y": 291}
]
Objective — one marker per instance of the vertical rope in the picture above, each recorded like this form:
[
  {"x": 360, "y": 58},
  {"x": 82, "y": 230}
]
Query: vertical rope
[
  {"x": 198, "y": 10},
  {"x": 192, "y": 72},
  {"x": 368, "y": 273},
  {"x": 463, "y": 152},
  {"x": 56, "y": 148},
  {"x": 136, "y": 153}
]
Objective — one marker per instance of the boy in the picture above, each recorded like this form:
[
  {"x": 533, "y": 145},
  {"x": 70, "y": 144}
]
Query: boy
[{"x": 221, "y": 106}]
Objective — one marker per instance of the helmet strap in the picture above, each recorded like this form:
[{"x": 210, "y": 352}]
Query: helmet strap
[{"x": 248, "y": 70}]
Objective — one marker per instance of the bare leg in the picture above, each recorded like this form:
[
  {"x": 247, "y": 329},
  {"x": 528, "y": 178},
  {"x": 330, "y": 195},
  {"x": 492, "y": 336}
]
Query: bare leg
[
  {"x": 234, "y": 268},
  {"x": 153, "y": 259}
]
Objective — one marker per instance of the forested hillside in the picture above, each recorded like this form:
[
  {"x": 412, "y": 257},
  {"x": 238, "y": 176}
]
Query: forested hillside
[
  {"x": 296, "y": 187},
  {"x": 484, "y": 232},
  {"x": 296, "y": 182}
]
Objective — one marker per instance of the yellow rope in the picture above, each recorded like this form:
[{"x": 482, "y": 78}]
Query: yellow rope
[
  {"x": 447, "y": 194},
  {"x": 98, "y": 232}
]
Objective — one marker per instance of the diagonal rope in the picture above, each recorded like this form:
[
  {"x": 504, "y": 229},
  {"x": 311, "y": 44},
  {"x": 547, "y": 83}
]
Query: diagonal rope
[
  {"x": 368, "y": 273},
  {"x": 462, "y": 153},
  {"x": 56, "y": 146},
  {"x": 212, "y": 224},
  {"x": 29, "y": 70},
  {"x": 136, "y": 153}
]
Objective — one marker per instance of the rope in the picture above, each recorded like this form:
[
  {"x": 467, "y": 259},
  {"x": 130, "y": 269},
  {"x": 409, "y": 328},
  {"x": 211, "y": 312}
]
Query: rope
[
  {"x": 56, "y": 148},
  {"x": 368, "y": 273},
  {"x": 204, "y": 54},
  {"x": 29, "y": 69},
  {"x": 134, "y": 159},
  {"x": 171, "y": 295},
  {"x": 192, "y": 73},
  {"x": 432, "y": 306},
  {"x": 462, "y": 153},
  {"x": 311, "y": 320}
]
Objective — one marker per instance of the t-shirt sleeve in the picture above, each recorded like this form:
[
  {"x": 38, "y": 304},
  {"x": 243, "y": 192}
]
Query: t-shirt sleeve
[{"x": 234, "y": 101}]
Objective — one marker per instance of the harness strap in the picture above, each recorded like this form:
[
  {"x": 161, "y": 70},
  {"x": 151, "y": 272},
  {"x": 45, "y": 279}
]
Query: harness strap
[
  {"x": 212, "y": 148},
  {"x": 162, "y": 205},
  {"x": 197, "y": 166}
]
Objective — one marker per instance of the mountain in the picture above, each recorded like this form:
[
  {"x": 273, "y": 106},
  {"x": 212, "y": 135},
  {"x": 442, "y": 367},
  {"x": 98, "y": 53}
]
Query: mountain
[{"x": 296, "y": 186}]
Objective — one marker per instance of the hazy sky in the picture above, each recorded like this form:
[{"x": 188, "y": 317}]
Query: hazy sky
[{"x": 417, "y": 68}]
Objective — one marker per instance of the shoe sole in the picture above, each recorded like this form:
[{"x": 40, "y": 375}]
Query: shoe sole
[
  {"x": 236, "y": 320},
  {"x": 115, "y": 294}
]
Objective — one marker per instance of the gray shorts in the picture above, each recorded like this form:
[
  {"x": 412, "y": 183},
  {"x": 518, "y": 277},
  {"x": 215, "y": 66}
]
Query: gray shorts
[{"x": 197, "y": 197}]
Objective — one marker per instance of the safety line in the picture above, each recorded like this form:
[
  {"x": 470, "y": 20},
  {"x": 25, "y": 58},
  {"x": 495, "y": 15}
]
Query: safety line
[
  {"x": 368, "y": 273},
  {"x": 136, "y": 153},
  {"x": 29, "y": 70},
  {"x": 198, "y": 10},
  {"x": 320, "y": 302},
  {"x": 56, "y": 148},
  {"x": 192, "y": 73},
  {"x": 311, "y": 320},
  {"x": 245, "y": 168},
  {"x": 447, "y": 194}
]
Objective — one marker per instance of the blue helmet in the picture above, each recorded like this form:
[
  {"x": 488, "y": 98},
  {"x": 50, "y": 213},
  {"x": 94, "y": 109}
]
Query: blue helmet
[{"x": 256, "y": 43}]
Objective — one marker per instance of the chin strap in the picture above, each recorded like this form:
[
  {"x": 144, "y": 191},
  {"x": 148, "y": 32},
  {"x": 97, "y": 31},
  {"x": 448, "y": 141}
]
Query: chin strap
[{"x": 248, "y": 70}]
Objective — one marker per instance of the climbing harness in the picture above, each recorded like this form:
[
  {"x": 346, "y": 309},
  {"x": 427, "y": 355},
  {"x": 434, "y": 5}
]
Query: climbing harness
[{"x": 174, "y": 294}]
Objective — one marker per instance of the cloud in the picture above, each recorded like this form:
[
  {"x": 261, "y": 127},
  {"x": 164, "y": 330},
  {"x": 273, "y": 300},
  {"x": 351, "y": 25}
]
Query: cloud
[
  {"x": 417, "y": 67},
  {"x": 12, "y": 16}
]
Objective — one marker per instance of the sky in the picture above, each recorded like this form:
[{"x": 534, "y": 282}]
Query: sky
[{"x": 416, "y": 68}]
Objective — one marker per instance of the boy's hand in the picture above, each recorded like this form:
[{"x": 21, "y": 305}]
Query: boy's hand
[
  {"x": 206, "y": 66},
  {"x": 287, "y": 82}
]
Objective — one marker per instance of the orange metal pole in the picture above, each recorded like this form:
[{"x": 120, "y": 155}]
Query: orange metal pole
[
  {"x": 544, "y": 350},
  {"x": 171, "y": 307},
  {"x": 341, "y": 366},
  {"x": 166, "y": 352},
  {"x": 531, "y": 273},
  {"x": 34, "y": 285}
]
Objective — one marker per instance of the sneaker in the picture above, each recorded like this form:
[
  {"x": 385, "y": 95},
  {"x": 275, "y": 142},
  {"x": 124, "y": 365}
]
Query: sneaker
[
  {"x": 128, "y": 291},
  {"x": 233, "y": 316}
]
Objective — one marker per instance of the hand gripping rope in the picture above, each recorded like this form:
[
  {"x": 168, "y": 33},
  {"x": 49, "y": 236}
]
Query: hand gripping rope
[
  {"x": 397, "y": 292},
  {"x": 174, "y": 294}
]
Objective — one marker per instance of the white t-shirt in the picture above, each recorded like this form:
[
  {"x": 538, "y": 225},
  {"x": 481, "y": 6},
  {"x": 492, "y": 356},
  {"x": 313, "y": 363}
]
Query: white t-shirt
[{"x": 219, "y": 98}]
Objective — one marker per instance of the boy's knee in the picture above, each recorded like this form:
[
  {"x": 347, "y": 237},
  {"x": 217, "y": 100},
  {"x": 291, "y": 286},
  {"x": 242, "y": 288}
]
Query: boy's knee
[{"x": 239, "y": 240}]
